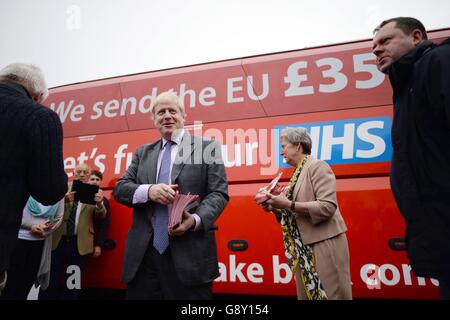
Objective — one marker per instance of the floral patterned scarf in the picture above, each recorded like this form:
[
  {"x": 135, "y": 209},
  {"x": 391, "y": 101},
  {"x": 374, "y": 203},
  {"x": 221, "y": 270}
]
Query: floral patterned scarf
[{"x": 297, "y": 253}]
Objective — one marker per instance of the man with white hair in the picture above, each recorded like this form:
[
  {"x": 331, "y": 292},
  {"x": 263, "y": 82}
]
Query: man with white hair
[{"x": 30, "y": 152}]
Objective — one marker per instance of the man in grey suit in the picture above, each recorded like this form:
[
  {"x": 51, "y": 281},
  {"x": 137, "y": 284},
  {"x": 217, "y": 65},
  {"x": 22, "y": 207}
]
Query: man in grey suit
[{"x": 180, "y": 262}]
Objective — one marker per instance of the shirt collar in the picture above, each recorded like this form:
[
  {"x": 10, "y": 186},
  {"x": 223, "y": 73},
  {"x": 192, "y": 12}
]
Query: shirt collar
[
  {"x": 400, "y": 72},
  {"x": 176, "y": 140},
  {"x": 17, "y": 87}
]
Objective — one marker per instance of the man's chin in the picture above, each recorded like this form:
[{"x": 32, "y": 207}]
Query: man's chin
[
  {"x": 384, "y": 68},
  {"x": 166, "y": 134},
  {"x": 170, "y": 132}
]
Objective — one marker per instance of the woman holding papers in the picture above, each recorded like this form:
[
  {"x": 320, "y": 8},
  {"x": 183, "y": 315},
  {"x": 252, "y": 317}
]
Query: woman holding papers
[
  {"x": 313, "y": 229},
  {"x": 31, "y": 258}
]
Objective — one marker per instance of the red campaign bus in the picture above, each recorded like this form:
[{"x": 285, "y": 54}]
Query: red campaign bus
[{"x": 334, "y": 91}]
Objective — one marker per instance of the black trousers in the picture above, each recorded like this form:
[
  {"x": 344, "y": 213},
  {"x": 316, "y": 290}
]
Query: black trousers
[
  {"x": 156, "y": 279},
  {"x": 24, "y": 266}
]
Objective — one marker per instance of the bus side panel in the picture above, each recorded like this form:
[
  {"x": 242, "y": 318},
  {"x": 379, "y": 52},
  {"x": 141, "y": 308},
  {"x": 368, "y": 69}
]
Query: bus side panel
[
  {"x": 249, "y": 147},
  {"x": 373, "y": 221},
  {"x": 303, "y": 82}
]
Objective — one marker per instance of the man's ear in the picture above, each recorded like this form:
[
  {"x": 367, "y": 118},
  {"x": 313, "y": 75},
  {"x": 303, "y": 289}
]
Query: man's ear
[
  {"x": 38, "y": 97},
  {"x": 417, "y": 37}
]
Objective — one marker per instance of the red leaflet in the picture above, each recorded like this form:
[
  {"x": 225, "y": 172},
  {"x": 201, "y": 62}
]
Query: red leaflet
[
  {"x": 274, "y": 188},
  {"x": 179, "y": 205}
]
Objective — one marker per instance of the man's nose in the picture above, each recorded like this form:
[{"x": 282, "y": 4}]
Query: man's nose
[{"x": 377, "y": 50}]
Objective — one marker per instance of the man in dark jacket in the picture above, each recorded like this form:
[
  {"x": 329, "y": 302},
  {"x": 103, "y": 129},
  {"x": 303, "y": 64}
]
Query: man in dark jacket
[
  {"x": 419, "y": 72},
  {"x": 30, "y": 151}
]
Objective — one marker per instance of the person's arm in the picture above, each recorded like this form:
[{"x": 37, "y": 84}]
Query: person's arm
[
  {"x": 128, "y": 192},
  {"x": 439, "y": 80},
  {"x": 99, "y": 212},
  {"x": 198, "y": 222},
  {"x": 324, "y": 188},
  {"x": 126, "y": 186},
  {"x": 103, "y": 226},
  {"x": 141, "y": 193},
  {"x": 46, "y": 178},
  {"x": 324, "y": 185}
]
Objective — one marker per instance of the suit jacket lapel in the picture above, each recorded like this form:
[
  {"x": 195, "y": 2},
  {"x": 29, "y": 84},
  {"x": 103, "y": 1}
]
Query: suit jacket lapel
[
  {"x": 153, "y": 162},
  {"x": 152, "y": 165},
  {"x": 185, "y": 149},
  {"x": 302, "y": 177},
  {"x": 83, "y": 214}
]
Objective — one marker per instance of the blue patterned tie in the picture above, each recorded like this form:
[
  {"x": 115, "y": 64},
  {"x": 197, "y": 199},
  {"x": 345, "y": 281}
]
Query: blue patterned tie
[{"x": 161, "y": 219}]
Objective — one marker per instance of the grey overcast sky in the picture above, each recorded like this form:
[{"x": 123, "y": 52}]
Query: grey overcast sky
[{"x": 80, "y": 40}]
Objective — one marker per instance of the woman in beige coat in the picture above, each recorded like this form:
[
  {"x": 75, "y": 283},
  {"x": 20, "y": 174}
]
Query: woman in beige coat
[{"x": 313, "y": 229}]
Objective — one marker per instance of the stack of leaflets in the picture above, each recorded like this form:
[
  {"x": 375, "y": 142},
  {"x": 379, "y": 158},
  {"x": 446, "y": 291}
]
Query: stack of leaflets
[
  {"x": 181, "y": 203},
  {"x": 274, "y": 188}
]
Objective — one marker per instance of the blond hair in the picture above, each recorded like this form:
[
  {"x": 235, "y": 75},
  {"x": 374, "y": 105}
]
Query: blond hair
[{"x": 168, "y": 97}]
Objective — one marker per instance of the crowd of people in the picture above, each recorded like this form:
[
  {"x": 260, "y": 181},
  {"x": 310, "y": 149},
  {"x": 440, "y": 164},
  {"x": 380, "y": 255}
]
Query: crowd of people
[{"x": 44, "y": 227}]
